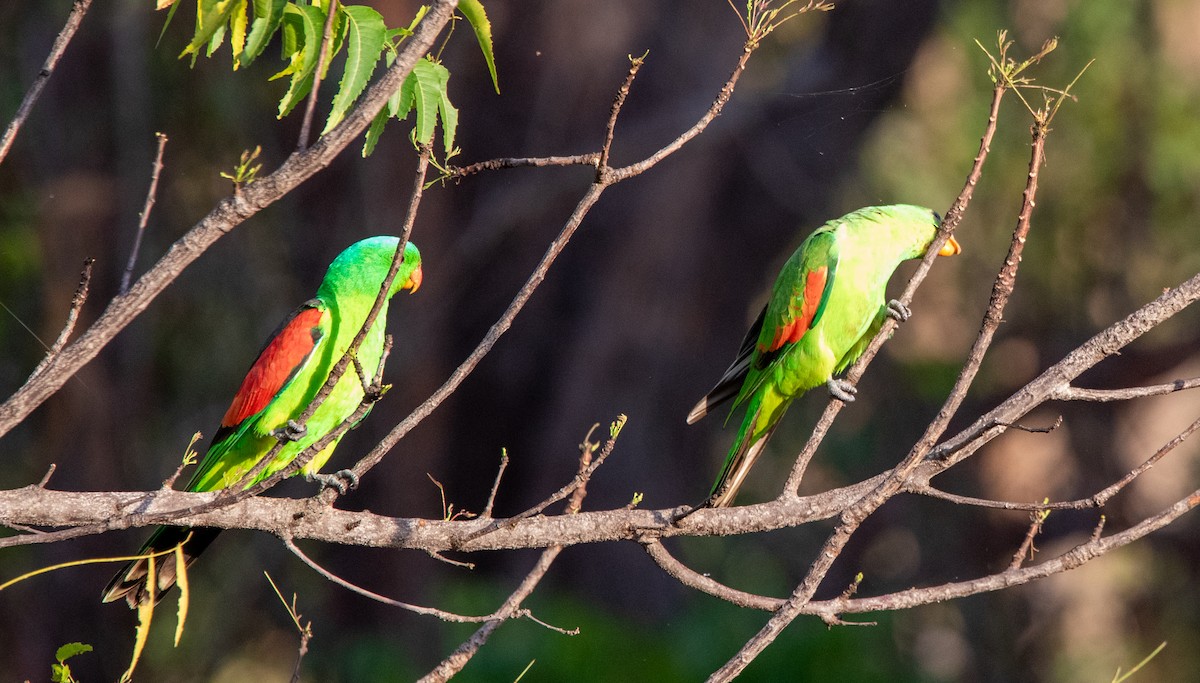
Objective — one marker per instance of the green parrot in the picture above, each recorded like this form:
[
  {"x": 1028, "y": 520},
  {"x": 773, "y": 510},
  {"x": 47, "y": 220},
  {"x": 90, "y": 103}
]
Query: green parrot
[
  {"x": 826, "y": 306},
  {"x": 288, "y": 373}
]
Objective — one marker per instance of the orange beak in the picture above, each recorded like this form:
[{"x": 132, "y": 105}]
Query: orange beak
[
  {"x": 414, "y": 280},
  {"x": 950, "y": 248}
]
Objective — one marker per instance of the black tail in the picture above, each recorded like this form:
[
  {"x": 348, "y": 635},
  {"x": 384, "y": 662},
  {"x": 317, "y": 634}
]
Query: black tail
[
  {"x": 737, "y": 466},
  {"x": 130, "y": 582}
]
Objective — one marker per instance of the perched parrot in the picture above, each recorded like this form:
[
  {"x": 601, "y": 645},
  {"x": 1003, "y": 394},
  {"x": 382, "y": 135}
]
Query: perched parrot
[
  {"x": 288, "y": 373},
  {"x": 826, "y": 306}
]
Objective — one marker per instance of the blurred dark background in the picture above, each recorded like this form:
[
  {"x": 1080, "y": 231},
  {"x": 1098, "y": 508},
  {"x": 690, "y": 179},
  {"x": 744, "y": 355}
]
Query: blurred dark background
[{"x": 876, "y": 102}]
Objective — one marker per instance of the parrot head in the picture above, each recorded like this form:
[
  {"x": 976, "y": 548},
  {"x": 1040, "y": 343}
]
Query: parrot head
[
  {"x": 899, "y": 230},
  {"x": 361, "y": 268}
]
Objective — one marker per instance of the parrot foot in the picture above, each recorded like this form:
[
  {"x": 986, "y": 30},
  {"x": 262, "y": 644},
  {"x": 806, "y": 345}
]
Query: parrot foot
[
  {"x": 842, "y": 390},
  {"x": 292, "y": 431},
  {"x": 899, "y": 311},
  {"x": 342, "y": 480}
]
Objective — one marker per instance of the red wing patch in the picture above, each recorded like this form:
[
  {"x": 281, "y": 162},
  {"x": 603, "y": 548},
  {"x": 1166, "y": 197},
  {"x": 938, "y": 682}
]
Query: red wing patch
[
  {"x": 275, "y": 365},
  {"x": 800, "y": 321}
]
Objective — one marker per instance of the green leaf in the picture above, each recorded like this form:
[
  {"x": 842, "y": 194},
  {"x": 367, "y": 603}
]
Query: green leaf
[
  {"x": 449, "y": 119},
  {"x": 291, "y": 42},
  {"x": 237, "y": 31},
  {"x": 166, "y": 23},
  {"x": 215, "y": 41},
  {"x": 425, "y": 91},
  {"x": 477, "y": 17},
  {"x": 373, "y": 132},
  {"x": 337, "y": 40},
  {"x": 365, "y": 35},
  {"x": 307, "y": 24},
  {"x": 211, "y": 16},
  {"x": 390, "y": 109},
  {"x": 60, "y": 672},
  {"x": 267, "y": 16},
  {"x": 69, "y": 650}
]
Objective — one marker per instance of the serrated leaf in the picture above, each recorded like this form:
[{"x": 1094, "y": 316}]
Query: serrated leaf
[
  {"x": 449, "y": 119},
  {"x": 373, "y": 132},
  {"x": 211, "y": 15},
  {"x": 337, "y": 40},
  {"x": 268, "y": 15},
  {"x": 237, "y": 31},
  {"x": 291, "y": 43},
  {"x": 365, "y": 35},
  {"x": 477, "y": 17},
  {"x": 390, "y": 108},
  {"x": 304, "y": 58},
  {"x": 215, "y": 41},
  {"x": 421, "y": 12},
  {"x": 427, "y": 92}
]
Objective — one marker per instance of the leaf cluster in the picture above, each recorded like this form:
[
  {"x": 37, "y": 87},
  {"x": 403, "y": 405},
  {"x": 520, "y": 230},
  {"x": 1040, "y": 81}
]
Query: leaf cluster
[{"x": 311, "y": 34}]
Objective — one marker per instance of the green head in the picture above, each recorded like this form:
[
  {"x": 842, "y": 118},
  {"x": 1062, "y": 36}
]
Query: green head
[
  {"x": 901, "y": 226},
  {"x": 360, "y": 269}
]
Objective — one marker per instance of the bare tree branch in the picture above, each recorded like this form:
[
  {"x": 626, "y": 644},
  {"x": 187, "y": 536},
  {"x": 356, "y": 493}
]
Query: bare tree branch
[{"x": 74, "y": 19}]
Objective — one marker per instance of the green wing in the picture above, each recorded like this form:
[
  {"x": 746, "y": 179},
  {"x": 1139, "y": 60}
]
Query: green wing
[
  {"x": 798, "y": 303},
  {"x": 237, "y": 446}
]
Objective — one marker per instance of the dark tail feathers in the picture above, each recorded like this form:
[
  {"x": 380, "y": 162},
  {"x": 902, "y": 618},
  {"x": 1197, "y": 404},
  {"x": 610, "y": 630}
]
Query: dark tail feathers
[{"x": 130, "y": 582}]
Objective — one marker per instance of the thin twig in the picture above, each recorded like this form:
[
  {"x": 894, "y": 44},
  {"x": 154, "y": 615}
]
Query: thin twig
[
  {"x": 322, "y": 63},
  {"x": 1034, "y": 430},
  {"x": 77, "y": 300},
  {"x": 418, "y": 609},
  {"x": 618, "y": 101},
  {"x": 1070, "y": 393},
  {"x": 1027, "y": 549},
  {"x": 705, "y": 583},
  {"x": 46, "y": 477},
  {"x": 144, "y": 217},
  {"x": 591, "y": 159},
  {"x": 78, "y": 9},
  {"x": 487, "y": 509}
]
